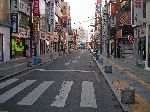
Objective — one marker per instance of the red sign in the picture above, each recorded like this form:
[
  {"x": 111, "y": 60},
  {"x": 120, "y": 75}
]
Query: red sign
[
  {"x": 131, "y": 37},
  {"x": 36, "y": 10}
]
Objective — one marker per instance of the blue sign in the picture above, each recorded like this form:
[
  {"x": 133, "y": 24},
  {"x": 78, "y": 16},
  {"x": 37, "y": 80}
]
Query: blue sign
[{"x": 14, "y": 22}]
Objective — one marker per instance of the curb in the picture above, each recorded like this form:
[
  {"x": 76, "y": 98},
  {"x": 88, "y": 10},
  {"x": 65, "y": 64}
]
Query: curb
[
  {"x": 114, "y": 90},
  {"x": 29, "y": 68}
]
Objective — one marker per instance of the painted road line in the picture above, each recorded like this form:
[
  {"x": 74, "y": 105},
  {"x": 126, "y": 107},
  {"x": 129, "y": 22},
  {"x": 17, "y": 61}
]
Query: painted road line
[
  {"x": 35, "y": 94},
  {"x": 6, "y": 83},
  {"x": 62, "y": 97},
  {"x": 43, "y": 70},
  {"x": 88, "y": 95},
  {"x": 9, "y": 94}
]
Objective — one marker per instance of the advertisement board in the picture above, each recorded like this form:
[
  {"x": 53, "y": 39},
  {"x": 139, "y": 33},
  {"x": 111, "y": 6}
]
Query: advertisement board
[
  {"x": 14, "y": 22},
  {"x": 4, "y": 11},
  {"x": 52, "y": 16},
  {"x": 137, "y": 12}
]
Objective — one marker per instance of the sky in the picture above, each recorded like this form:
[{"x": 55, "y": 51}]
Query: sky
[{"x": 82, "y": 13}]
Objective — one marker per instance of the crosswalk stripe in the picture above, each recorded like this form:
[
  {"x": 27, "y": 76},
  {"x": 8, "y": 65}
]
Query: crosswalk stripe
[
  {"x": 87, "y": 95},
  {"x": 6, "y": 83},
  {"x": 35, "y": 94},
  {"x": 63, "y": 94},
  {"x": 12, "y": 92}
]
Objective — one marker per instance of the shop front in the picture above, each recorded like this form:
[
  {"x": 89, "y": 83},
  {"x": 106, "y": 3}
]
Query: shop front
[{"x": 20, "y": 43}]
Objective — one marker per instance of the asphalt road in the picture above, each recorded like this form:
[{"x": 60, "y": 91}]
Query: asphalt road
[{"x": 68, "y": 84}]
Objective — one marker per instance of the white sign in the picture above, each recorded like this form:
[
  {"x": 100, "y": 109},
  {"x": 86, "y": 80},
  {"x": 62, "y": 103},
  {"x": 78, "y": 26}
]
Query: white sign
[
  {"x": 104, "y": 24},
  {"x": 52, "y": 16},
  {"x": 137, "y": 12},
  {"x": 24, "y": 7},
  {"x": 14, "y": 6}
]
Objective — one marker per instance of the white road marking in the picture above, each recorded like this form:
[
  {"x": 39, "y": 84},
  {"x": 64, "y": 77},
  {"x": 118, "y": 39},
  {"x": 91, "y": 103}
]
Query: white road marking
[
  {"x": 62, "y": 97},
  {"x": 43, "y": 70},
  {"x": 6, "y": 83},
  {"x": 88, "y": 95},
  {"x": 35, "y": 94},
  {"x": 9, "y": 94}
]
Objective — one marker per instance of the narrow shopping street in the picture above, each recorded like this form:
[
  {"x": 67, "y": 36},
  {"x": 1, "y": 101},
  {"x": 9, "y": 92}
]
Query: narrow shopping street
[{"x": 65, "y": 85}]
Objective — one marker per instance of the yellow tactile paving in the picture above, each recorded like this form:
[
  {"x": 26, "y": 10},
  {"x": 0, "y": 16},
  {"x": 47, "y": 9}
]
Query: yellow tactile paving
[{"x": 140, "y": 105}]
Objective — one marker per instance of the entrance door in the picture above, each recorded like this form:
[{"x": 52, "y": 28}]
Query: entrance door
[
  {"x": 1, "y": 47},
  {"x": 149, "y": 46}
]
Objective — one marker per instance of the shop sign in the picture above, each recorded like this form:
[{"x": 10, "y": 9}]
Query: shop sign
[
  {"x": 104, "y": 24},
  {"x": 137, "y": 12},
  {"x": 36, "y": 10},
  {"x": 24, "y": 7},
  {"x": 131, "y": 38},
  {"x": 14, "y": 5},
  {"x": 14, "y": 20},
  {"x": 52, "y": 16}
]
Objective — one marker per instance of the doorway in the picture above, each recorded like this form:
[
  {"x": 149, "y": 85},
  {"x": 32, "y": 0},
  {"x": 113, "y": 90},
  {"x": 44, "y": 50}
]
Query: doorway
[{"x": 1, "y": 47}]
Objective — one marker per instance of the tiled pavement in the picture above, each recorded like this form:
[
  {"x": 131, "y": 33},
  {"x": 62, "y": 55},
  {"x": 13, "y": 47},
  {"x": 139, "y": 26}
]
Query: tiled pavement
[{"x": 126, "y": 74}]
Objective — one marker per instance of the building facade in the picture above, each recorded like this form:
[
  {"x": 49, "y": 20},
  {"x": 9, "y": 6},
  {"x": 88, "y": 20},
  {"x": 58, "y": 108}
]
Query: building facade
[{"x": 5, "y": 26}]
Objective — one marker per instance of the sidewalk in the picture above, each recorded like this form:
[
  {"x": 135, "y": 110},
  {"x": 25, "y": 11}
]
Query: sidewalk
[
  {"x": 15, "y": 66},
  {"x": 126, "y": 74}
]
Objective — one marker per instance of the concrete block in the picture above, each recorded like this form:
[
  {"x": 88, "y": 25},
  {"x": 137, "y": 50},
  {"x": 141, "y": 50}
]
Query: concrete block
[
  {"x": 40, "y": 60},
  {"x": 108, "y": 69},
  {"x": 29, "y": 63},
  {"x": 128, "y": 95},
  {"x": 100, "y": 60}
]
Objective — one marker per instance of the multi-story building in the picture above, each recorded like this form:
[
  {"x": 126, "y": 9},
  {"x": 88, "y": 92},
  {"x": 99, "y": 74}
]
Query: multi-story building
[
  {"x": 147, "y": 65},
  {"x": 5, "y": 30}
]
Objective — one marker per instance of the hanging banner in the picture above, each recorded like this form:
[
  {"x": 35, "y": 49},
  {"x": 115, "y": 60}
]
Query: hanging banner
[
  {"x": 36, "y": 8},
  {"x": 137, "y": 12}
]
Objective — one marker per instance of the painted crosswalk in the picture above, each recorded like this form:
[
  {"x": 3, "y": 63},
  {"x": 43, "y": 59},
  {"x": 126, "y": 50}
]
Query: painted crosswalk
[{"x": 88, "y": 98}]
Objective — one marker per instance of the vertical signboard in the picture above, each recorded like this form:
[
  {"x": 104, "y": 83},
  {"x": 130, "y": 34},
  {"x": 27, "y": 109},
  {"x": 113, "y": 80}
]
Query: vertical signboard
[
  {"x": 137, "y": 12},
  {"x": 36, "y": 8},
  {"x": 52, "y": 16},
  {"x": 14, "y": 20},
  {"x": 104, "y": 24}
]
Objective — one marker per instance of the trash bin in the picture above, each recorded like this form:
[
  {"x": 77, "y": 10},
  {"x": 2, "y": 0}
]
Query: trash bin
[
  {"x": 36, "y": 60},
  {"x": 97, "y": 56}
]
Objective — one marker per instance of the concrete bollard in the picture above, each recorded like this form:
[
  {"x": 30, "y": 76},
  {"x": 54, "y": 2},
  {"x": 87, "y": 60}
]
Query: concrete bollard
[
  {"x": 128, "y": 95},
  {"x": 108, "y": 69}
]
